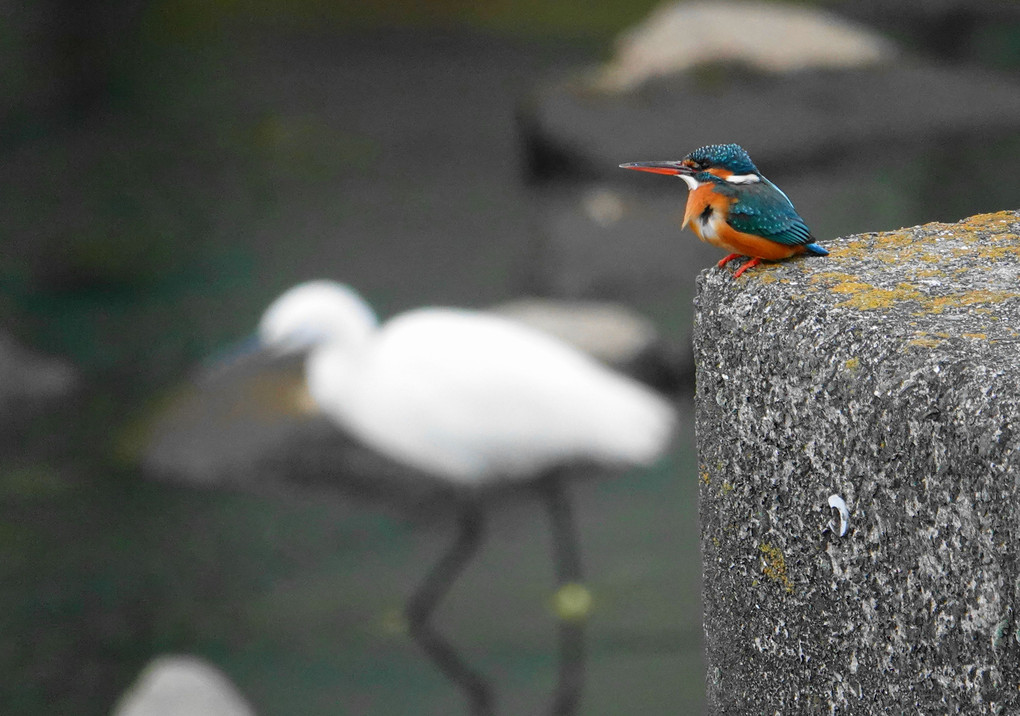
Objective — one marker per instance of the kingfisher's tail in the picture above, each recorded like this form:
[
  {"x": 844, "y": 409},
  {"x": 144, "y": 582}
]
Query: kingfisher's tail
[{"x": 815, "y": 249}]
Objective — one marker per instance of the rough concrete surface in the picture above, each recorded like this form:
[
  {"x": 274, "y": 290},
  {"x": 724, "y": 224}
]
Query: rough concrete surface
[{"x": 885, "y": 374}]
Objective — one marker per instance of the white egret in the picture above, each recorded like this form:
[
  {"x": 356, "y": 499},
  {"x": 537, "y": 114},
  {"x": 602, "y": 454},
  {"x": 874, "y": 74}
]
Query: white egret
[
  {"x": 479, "y": 402},
  {"x": 182, "y": 685}
]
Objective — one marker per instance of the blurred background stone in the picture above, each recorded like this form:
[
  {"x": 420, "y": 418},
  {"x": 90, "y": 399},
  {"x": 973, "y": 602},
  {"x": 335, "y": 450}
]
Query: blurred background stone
[
  {"x": 764, "y": 37},
  {"x": 28, "y": 379}
]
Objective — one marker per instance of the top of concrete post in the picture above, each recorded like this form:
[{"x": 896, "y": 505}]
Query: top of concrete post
[
  {"x": 939, "y": 289},
  {"x": 881, "y": 380}
]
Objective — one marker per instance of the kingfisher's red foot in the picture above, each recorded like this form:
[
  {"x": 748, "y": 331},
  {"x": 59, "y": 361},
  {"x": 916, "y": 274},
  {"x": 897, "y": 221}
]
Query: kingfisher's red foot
[
  {"x": 726, "y": 260},
  {"x": 749, "y": 264}
]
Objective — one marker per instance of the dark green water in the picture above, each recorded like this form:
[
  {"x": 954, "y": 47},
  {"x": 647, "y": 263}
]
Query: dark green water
[{"x": 153, "y": 235}]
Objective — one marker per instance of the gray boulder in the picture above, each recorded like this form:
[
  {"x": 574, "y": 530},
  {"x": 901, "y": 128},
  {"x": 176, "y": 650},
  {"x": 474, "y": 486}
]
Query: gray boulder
[{"x": 29, "y": 378}]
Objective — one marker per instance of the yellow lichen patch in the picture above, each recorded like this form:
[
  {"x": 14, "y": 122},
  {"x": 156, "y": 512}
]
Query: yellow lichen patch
[
  {"x": 851, "y": 287},
  {"x": 929, "y": 273},
  {"x": 894, "y": 240},
  {"x": 924, "y": 342},
  {"x": 915, "y": 245},
  {"x": 705, "y": 478},
  {"x": 864, "y": 296},
  {"x": 727, "y": 488},
  {"x": 995, "y": 253},
  {"x": 873, "y": 298},
  {"x": 854, "y": 247},
  {"x": 852, "y": 364},
  {"x": 975, "y": 336},
  {"x": 773, "y": 565},
  {"x": 1002, "y": 249},
  {"x": 832, "y": 276},
  {"x": 989, "y": 222},
  {"x": 968, "y": 298},
  {"x": 919, "y": 254}
]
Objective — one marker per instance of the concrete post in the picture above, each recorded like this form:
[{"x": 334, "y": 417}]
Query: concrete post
[{"x": 885, "y": 377}]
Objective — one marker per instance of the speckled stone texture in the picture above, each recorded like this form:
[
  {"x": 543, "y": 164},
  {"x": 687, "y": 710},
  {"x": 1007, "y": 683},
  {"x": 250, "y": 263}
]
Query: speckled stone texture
[{"x": 889, "y": 374}]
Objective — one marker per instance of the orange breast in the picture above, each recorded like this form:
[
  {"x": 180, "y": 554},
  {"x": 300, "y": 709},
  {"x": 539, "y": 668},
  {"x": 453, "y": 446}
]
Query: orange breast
[
  {"x": 697, "y": 201},
  {"x": 713, "y": 229},
  {"x": 756, "y": 246}
]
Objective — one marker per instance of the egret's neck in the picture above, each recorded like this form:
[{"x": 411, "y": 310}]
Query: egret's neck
[{"x": 332, "y": 371}]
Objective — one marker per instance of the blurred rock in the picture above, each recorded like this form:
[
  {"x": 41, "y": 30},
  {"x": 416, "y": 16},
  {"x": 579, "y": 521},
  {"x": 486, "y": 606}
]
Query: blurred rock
[
  {"x": 182, "y": 685},
  {"x": 582, "y": 255},
  {"x": 254, "y": 427},
  {"x": 610, "y": 332},
  {"x": 765, "y": 36},
  {"x": 29, "y": 378},
  {"x": 810, "y": 117}
]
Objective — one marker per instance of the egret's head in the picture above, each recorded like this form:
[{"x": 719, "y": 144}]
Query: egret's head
[{"x": 315, "y": 313}]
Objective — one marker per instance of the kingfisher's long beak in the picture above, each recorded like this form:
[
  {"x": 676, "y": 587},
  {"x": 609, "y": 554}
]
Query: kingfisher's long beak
[{"x": 672, "y": 168}]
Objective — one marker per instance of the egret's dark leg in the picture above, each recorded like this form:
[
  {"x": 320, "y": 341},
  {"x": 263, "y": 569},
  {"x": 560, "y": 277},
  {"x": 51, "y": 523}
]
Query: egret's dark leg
[
  {"x": 423, "y": 602},
  {"x": 567, "y": 557}
]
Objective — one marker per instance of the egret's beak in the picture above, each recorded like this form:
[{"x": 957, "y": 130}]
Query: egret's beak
[
  {"x": 240, "y": 358},
  {"x": 235, "y": 352},
  {"x": 672, "y": 168}
]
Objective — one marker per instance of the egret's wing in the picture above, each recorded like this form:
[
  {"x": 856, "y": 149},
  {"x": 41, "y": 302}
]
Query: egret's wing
[{"x": 488, "y": 394}]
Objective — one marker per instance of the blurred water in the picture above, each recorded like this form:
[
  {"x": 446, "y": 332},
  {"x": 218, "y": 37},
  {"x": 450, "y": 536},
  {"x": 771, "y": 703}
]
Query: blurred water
[{"x": 154, "y": 234}]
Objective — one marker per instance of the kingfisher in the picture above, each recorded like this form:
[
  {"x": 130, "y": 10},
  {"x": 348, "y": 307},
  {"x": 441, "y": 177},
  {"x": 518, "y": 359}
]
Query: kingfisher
[{"x": 732, "y": 206}]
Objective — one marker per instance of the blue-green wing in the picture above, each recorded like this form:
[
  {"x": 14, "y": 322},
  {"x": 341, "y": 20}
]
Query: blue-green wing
[{"x": 762, "y": 209}]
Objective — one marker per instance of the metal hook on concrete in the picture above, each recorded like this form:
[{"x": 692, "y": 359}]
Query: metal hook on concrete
[{"x": 840, "y": 522}]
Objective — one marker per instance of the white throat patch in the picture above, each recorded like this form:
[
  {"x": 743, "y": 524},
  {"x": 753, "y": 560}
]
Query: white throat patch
[
  {"x": 743, "y": 179},
  {"x": 690, "y": 181}
]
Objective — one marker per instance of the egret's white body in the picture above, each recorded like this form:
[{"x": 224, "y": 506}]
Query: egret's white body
[
  {"x": 474, "y": 399},
  {"x": 470, "y": 397},
  {"x": 182, "y": 685}
]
